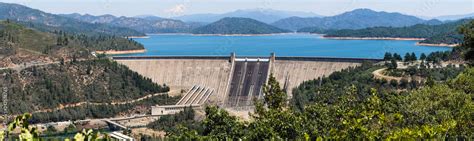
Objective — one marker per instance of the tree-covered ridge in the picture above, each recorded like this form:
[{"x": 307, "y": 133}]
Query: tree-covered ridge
[
  {"x": 25, "y": 14},
  {"x": 102, "y": 111},
  {"x": 37, "y": 40},
  {"x": 434, "y": 34},
  {"x": 467, "y": 47},
  {"x": 238, "y": 26},
  {"x": 19, "y": 44},
  {"x": 96, "y": 81},
  {"x": 356, "y": 19}
]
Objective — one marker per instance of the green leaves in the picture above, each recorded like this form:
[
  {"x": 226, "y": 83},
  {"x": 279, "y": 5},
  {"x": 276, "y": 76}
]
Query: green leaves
[
  {"x": 2, "y": 135},
  {"x": 468, "y": 44},
  {"x": 274, "y": 98},
  {"x": 464, "y": 81},
  {"x": 219, "y": 124},
  {"x": 26, "y": 132},
  {"x": 87, "y": 135}
]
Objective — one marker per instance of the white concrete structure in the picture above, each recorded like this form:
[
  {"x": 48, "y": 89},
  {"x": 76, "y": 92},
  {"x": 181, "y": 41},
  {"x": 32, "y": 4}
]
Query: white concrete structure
[
  {"x": 215, "y": 72},
  {"x": 120, "y": 137},
  {"x": 171, "y": 109}
]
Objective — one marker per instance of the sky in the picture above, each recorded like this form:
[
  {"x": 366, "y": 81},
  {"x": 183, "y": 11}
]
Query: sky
[{"x": 172, "y": 8}]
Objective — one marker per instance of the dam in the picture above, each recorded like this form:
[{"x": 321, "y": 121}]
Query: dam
[{"x": 235, "y": 80}]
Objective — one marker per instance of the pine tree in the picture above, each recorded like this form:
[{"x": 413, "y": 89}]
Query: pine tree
[
  {"x": 407, "y": 57},
  {"x": 423, "y": 56},
  {"x": 275, "y": 98},
  {"x": 387, "y": 56},
  {"x": 468, "y": 44},
  {"x": 413, "y": 57}
]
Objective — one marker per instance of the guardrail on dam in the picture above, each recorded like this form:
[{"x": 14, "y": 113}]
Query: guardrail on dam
[{"x": 235, "y": 80}]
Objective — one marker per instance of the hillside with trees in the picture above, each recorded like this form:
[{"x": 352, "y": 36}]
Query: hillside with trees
[
  {"x": 356, "y": 19},
  {"x": 19, "y": 44},
  {"x": 238, "y": 26},
  {"x": 95, "y": 81},
  {"x": 434, "y": 34}
]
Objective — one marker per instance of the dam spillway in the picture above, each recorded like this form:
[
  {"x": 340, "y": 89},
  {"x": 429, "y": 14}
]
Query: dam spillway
[
  {"x": 247, "y": 80},
  {"x": 235, "y": 80}
]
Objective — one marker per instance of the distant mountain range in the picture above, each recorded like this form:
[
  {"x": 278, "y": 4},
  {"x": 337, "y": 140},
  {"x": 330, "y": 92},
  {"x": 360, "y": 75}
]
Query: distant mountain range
[
  {"x": 25, "y": 15},
  {"x": 263, "y": 15},
  {"x": 356, "y": 19},
  {"x": 238, "y": 26},
  {"x": 139, "y": 25},
  {"x": 455, "y": 17},
  {"x": 144, "y": 24}
]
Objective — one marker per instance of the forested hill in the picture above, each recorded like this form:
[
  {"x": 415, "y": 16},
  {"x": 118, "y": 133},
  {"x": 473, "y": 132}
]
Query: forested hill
[
  {"x": 19, "y": 44},
  {"x": 25, "y": 14},
  {"x": 443, "y": 33},
  {"x": 356, "y": 19},
  {"x": 69, "y": 83},
  {"x": 238, "y": 26}
]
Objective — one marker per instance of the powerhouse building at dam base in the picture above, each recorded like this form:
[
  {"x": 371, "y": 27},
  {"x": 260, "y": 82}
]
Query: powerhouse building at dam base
[{"x": 230, "y": 81}]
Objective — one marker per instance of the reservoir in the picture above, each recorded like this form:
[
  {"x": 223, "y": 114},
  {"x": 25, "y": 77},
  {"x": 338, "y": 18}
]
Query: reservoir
[{"x": 309, "y": 45}]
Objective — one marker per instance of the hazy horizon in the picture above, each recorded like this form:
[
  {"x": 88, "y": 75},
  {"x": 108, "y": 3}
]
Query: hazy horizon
[{"x": 173, "y": 8}]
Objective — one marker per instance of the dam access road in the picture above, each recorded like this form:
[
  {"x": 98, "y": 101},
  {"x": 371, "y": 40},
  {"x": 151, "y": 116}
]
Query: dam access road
[{"x": 236, "y": 81}]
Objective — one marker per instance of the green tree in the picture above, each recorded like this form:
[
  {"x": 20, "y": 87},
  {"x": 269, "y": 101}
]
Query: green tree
[
  {"x": 219, "y": 124},
  {"x": 275, "y": 98},
  {"x": 423, "y": 56},
  {"x": 468, "y": 42},
  {"x": 464, "y": 81},
  {"x": 393, "y": 64},
  {"x": 276, "y": 121},
  {"x": 407, "y": 57},
  {"x": 397, "y": 57},
  {"x": 388, "y": 56},
  {"x": 413, "y": 57}
]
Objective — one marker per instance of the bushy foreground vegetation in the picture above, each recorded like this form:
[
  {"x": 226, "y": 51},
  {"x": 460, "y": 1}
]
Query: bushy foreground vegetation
[
  {"x": 442, "y": 111},
  {"x": 30, "y": 133}
]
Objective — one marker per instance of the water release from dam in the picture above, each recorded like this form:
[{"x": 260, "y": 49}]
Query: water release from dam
[{"x": 308, "y": 45}]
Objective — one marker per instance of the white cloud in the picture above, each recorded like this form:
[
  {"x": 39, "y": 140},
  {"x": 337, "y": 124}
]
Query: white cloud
[{"x": 177, "y": 9}]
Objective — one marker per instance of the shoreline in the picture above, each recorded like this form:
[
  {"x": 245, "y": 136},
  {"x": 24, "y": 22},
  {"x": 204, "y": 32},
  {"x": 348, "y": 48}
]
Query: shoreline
[
  {"x": 117, "y": 52},
  {"x": 436, "y": 45},
  {"x": 374, "y": 38},
  {"x": 221, "y": 34},
  {"x": 137, "y": 37}
]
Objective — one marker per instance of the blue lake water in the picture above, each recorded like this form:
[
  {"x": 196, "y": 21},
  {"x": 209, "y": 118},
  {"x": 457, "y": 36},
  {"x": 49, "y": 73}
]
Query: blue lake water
[{"x": 282, "y": 45}]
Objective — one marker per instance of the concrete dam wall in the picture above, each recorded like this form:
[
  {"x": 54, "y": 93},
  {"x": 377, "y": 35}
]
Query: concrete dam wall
[
  {"x": 235, "y": 80},
  {"x": 183, "y": 73}
]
